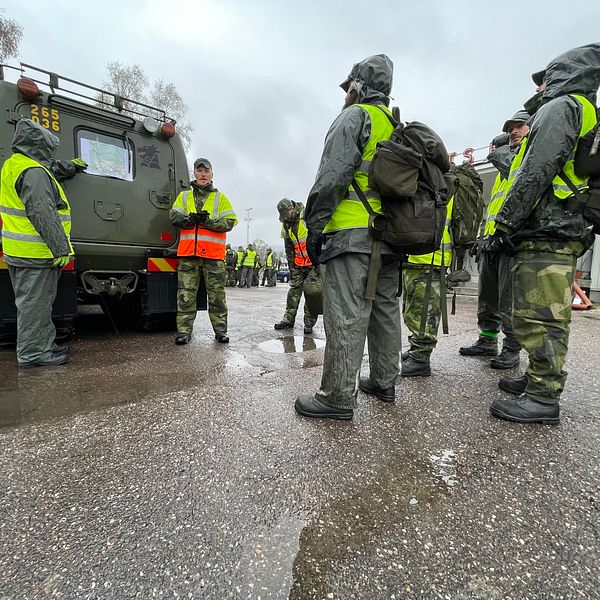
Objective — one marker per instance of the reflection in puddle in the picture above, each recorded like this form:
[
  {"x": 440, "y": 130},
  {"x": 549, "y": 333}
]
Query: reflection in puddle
[{"x": 291, "y": 343}]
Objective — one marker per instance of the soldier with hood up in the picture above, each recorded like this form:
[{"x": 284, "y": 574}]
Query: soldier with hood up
[
  {"x": 36, "y": 223},
  {"x": 294, "y": 234},
  {"x": 542, "y": 223},
  {"x": 338, "y": 236}
]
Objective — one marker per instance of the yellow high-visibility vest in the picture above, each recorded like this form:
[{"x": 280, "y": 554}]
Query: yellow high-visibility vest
[{"x": 19, "y": 237}]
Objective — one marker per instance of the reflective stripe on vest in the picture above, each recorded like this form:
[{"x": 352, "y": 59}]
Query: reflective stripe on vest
[
  {"x": 250, "y": 259},
  {"x": 299, "y": 240},
  {"x": 498, "y": 196},
  {"x": 20, "y": 238},
  {"x": 588, "y": 121},
  {"x": 270, "y": 261},
  {"x": 240, "y": 254},
  {"x": 350, "y": 212},
  {"x": 445, "y": 251},
  {"x": 197, "y": 240}
]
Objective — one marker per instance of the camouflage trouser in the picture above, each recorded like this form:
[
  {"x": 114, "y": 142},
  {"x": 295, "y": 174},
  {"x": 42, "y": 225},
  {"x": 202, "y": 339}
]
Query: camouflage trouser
[
  {"x": 230, "y": 276},
  {"x": 297, "y": 277},
  {"x": 189, "y": 271},
  {"x": 494, "y": 308},
  {"x": 271, "y": 277},
  {"x": 414, "y": 283},
  {"x": 541, "y": 317}
]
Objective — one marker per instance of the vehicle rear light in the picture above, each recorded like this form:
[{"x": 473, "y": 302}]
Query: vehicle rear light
[
  {"x": 166, "y": 237},
  {"x": 168, "y": 130},
  {"x": 28, "y": 89}
]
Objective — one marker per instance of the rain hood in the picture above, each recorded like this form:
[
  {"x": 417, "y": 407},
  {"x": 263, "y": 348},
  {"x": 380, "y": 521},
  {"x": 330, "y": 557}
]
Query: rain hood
[{"x": 35, "y": 142}]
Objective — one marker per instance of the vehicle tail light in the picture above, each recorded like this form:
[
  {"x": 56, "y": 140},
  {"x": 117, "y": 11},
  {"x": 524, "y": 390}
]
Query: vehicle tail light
[
  {"x": 168, "y": 130},
  {"x": 28, "y": 89},
  {"x": 166, "y": 237}
]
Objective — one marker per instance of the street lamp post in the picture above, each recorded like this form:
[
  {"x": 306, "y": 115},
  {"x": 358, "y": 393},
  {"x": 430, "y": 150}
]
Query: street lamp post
[{"x": 248, "y": 218}]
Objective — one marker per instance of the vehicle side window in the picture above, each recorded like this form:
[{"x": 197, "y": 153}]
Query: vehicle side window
[{"x": 106, "y": 155}]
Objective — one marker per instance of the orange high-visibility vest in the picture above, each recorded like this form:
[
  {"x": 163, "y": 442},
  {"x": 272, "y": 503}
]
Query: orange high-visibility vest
[{"x": 197, "y": 240}]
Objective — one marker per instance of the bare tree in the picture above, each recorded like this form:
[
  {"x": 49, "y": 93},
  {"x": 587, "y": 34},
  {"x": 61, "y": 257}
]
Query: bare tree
[
  {"x": 130, "y": 81},
  {"x": 166, "y": 97},
  {"x": 10, "y": 37}
]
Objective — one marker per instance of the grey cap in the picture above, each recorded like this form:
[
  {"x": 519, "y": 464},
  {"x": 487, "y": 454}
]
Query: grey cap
[
  {"x": 521, "y": 116},
  {"x": 202, "y": 162},
  {"x": 538, "y": 77},
  {"x": 283, "y": 206}
]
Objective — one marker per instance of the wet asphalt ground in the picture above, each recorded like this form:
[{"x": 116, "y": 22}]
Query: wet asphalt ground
[{"x": 146, "y": 470}]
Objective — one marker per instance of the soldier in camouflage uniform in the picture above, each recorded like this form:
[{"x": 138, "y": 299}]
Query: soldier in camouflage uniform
[
  {"x": 230, "y": 264},
  {"x": 293, "y": 232},
  {"x": 417, "y": 271},
  {"x": 541, "y": 223},
  {"x": 204, "y": 216}
]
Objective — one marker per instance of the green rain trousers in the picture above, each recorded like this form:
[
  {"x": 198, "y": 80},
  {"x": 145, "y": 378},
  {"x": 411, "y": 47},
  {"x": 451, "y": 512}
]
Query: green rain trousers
[
  {"x": 35, "y": 292},
  {"x": 189, "y": 271},
  {"x": 350, "y": 318},
  {"x": 494, "y": 309}
]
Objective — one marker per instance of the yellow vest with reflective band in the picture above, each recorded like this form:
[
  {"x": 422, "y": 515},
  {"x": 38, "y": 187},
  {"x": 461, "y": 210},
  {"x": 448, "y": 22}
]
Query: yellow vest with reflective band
[
  {"x": 350, "y": 212},
  {"x": 299, "y": 240},
  {"x": 588, "y": 121},
  {"x": 497, "y": 200},
  {"x": 19, "y": 236},
  {"x": 445, "y": 250},
  {"x": 269, "y": 260},
  {"x": 250, "y": 259},
  {"x": 240, "y": 255}
]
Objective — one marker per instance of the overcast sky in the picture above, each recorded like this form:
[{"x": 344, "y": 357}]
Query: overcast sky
[{"x": 260, "y": 77}]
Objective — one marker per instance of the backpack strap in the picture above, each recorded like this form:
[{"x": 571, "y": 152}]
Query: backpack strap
[{"x": 375, "y": 261}]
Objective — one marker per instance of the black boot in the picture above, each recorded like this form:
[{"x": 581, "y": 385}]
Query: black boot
[
  {"x": 525, "y": 410},
  {"x": 309, "y": 406},
  {"x": 222, "y": 338},
  {"x": 183, "y": 338},
  {"x": 387, "y": 395},
  {"x": 404, "y": 355},
  {"x": 506, "y": 360},
  {"x": 484, "y": 346},
  {"x": 513, "y": 385},
  {"x": 56, "y": 359},
  {"x": 284, "y": 325},
  {"x": 415, "y": 368}
]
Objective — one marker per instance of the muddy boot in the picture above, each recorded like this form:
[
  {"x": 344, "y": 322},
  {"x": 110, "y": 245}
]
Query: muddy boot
[
  {"x": 412, "y": 367},
  {"x": 506, "y": 360},
  {"x": 484, "y": 346},
  {"x": 513, "y": 385}
]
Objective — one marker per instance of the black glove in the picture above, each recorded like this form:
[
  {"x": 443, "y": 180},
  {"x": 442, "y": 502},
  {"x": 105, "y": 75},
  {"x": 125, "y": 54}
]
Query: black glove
[
  {"x": 499, "y": 242},
  {"x": 200, "y": 218},
  {"x": 313, "y": 247}
]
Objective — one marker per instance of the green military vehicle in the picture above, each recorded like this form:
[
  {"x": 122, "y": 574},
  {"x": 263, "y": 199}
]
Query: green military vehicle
[{"x": 125, "y": 245}]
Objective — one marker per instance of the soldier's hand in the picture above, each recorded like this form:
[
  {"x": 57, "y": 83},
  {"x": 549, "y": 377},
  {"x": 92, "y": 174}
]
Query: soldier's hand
[
  {"x": 500, "y": 242},
  {"x": 313, "y": 247},
  {"x": 80, "y": 164},
  {"x": 202, "y": 217},
  {"x": 61, "y": 261}
]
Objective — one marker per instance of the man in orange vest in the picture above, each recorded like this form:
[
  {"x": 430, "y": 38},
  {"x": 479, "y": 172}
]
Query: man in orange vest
[
  {"x": 293, "y": 232},
  {"x": 204, "y": 216}
]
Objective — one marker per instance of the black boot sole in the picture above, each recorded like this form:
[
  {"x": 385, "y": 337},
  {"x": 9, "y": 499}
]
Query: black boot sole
[
  {"x": 324, "y": 415},
  {"x": 532, "y": 420}
]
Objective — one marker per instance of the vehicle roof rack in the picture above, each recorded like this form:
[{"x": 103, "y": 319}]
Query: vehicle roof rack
[{"x": 103, "y": 98}]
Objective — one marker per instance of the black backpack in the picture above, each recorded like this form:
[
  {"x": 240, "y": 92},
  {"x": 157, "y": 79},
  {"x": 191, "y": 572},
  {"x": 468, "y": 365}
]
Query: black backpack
[
  {"x": 410, "y": 171},
  {"x": 587, "y": 164},
  {"x": 467, "y": 209}
]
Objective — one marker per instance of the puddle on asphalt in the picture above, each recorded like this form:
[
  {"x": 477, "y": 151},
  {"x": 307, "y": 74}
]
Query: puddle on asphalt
[{"x": 291, "y": 343}]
